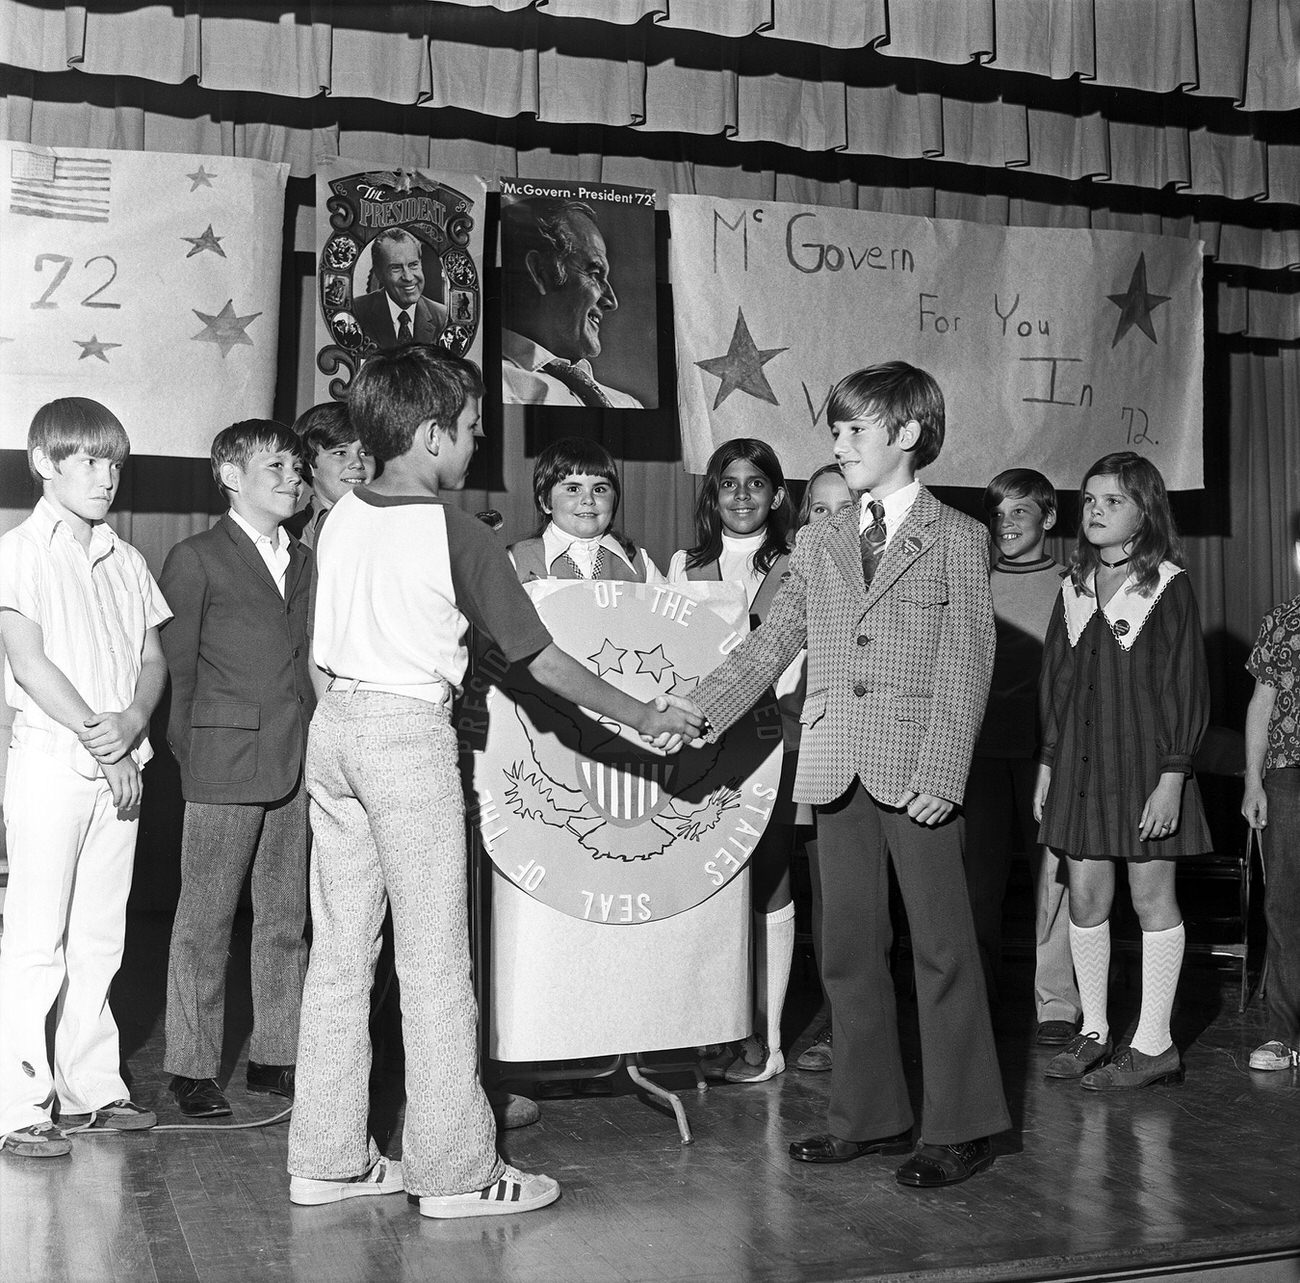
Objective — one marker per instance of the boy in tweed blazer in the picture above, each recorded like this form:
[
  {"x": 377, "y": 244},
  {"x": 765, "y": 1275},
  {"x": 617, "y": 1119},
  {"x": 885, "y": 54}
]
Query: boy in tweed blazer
[{"x": 892, "y": 602}]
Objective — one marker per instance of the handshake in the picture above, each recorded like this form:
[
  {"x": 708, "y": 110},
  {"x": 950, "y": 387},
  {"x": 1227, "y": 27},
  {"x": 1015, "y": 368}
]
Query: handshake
[{"x": 672, "y": 720}]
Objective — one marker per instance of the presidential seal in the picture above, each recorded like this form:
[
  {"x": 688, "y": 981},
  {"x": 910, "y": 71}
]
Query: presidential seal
[{"x": 581, "y": 814}]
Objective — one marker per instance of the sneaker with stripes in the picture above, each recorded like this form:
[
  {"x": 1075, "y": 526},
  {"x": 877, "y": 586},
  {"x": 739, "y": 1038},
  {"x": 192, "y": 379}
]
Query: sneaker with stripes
[
  {"x": 383, "y": 1176},
  {"x": 1274, "y": 1055},
  {"x": 514, "y": 1191}
]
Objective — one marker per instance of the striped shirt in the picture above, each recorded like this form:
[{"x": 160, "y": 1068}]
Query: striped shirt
[{"x": 93, "y": 609}]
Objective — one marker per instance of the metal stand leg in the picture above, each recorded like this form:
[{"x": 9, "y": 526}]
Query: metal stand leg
[{"x": 631, "y": 1064}]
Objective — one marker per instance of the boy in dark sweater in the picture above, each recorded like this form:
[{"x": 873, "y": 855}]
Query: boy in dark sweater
[{"x": 1025, "y": 583}]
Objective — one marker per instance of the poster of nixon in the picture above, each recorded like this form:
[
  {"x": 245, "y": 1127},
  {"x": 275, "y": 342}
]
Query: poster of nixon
[
  {"x": 1052, "y": 346},
  {"x": 578, "y": 313},
  {"x": 400, "y": 261}
]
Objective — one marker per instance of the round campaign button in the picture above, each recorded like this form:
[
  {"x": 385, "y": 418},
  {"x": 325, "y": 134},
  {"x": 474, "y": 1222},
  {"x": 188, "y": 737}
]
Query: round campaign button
[
  {"x": 578, "y": 811},
  {"x": 1121, "y": 627}
]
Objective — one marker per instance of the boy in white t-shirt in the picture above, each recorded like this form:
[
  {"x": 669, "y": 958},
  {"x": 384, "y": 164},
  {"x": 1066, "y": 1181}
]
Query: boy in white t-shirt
[
  {"x": 79, "y": 616},
  {"x": 402, "y": 575}
]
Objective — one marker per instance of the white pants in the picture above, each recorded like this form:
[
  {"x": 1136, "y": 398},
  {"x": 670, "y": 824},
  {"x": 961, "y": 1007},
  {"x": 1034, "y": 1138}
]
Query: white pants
[{"x": 70, "y": 861}]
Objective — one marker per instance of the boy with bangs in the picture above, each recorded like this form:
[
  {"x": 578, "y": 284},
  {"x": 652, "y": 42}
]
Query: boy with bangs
[
  {"x": 241, "y": 700},
  {"x": 891, "y": 599},
  {"x": 79, "y": 616},
  {"x": 1020, "y": 505},
  {"x": 337, "y": 461}
]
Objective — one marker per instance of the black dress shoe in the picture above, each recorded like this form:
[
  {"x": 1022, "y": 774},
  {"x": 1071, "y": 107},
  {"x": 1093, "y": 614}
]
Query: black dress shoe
[
  {"x": 270, "y": 1080},
  {"x": 934, "y": 1165},
  {"x": 831, "y": 1149},
  {"x": 199, "y": 1097},
  {"x": 1055, "y": 1033}
]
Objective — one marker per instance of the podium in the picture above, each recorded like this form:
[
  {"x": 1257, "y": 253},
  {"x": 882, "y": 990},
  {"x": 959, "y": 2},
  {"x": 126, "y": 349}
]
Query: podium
[{"x": 619, "y": 893}]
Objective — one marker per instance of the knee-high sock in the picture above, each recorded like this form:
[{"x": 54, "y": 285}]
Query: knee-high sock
[
  {"x": 774, "y": 949},
  {"x": 1162, "y": 960},
  {"x": 1090, "y": 949}
]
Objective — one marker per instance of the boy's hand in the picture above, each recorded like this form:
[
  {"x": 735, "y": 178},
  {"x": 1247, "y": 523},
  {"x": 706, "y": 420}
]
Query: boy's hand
[
  {"x": 696, "y": 720},
  {"x": 108, "y": 737},
  {"x": 1041, "y": 785},
  {"x": 669, "y": 720},
  {"x": 1254, "y": 805},
  {"x": 927, "y": 809},
  {"x": 124, "y": 784}
]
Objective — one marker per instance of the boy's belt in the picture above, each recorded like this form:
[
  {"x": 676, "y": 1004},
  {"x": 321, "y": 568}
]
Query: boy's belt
[{"x": 429, "y": 692}]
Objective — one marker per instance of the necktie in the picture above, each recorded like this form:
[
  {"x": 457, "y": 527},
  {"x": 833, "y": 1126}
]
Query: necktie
[
  {"x": 403, "y": 327},
  {"x": 873, "y": 540},
  {"x": 578, "y": 381}
]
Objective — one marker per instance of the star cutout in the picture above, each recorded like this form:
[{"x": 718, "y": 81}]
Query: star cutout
[
  {"x": 1136, "y": 306},
  {"x": 653, "y": 661},
  {"x": 206, "y": 241},
  {"x": 683, "y": 685},
  {"x": 225, "y": 329},
  {"x": 93, "y": 347},
  {"x": 741, "y": 369},
  {"x": 608, "y": 659},
  {"x": 200, "y": 178}
]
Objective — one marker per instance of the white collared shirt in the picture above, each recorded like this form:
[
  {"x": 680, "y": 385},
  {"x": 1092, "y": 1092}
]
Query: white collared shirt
[
  {"x": 274, "y": 552},
  {"x": 555, "y": 543},
  {"x": 524, "y": 382},
  {"x": 93, "y": 607},
  {"x": 897, "y": 505}
]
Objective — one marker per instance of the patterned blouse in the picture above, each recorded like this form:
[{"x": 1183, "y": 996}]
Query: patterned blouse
[{"x": 1275, "y": 661}]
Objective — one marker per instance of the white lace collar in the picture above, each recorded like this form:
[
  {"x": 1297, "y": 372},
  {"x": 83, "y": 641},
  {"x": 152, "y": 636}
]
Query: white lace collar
[{"x": 1125, "y": 613}]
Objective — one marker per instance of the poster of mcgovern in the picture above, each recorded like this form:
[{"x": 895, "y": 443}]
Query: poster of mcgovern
[
  {"x": 620, "y": 898},
  {"x": 578, "y": 307},
  {"x": 1052, "y": 346}
]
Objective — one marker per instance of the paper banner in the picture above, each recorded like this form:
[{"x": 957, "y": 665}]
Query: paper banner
[
  {"x": 1052, "y": 346},
  {"x": 390, "y": 241},
  {"x": 578, "y": 289},
  {"x": 145, "y": 280}
]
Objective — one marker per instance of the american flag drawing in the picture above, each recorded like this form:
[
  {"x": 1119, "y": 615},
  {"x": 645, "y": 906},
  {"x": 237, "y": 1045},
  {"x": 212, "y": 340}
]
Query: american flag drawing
[{"x": 70, "y": 187}]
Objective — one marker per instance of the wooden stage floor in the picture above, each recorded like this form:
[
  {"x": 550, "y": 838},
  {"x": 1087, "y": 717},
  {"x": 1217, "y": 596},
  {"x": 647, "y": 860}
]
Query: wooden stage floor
[{"x": 1083, "y": 1187}]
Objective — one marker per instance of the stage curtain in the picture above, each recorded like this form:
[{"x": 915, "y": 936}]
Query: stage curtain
[
  {"x": 900, "y": 80},
  {"x": 1243, "y": 51},
  {"x": 70, "y": 109}
]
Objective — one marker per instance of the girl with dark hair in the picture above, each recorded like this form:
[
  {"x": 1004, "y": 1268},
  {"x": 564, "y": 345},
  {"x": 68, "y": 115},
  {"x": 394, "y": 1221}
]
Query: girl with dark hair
[
  {"x": 577, "y": 491},
  {"x": 1124, "y": 701},
  {"x": 741, "y": 524}
]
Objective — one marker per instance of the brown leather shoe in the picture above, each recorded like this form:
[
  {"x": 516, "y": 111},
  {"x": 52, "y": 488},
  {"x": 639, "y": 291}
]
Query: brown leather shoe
[
  {"x": 199, "y": 1097},
  {"x": 831, "y": 1149},
  {"x": 933, "y": 1165},
  {"x": 1132, "y": 1068},
  {"x": 270, "y": 1080},
  {"x": 1084, "y": 1052},
  {"x": 1055, "y": 1033}
]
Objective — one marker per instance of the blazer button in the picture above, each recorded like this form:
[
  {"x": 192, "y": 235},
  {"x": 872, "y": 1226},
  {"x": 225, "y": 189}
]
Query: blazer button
[
  {"x": 296, "y": 652},
  {"x": 863, "y": 640},
  {"x": 859, "y": 689},
  {"x": 301, "y": 699}
]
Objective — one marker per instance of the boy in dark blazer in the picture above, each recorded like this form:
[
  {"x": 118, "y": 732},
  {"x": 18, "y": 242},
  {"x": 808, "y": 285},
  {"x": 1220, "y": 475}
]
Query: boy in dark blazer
[
  {"x": 241, "y": 699},
  {"x": 892, "y": 601}
]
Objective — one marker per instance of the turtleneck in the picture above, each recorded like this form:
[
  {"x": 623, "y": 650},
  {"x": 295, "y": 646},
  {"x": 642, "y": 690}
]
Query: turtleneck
[{"x": 736, "y": 561}]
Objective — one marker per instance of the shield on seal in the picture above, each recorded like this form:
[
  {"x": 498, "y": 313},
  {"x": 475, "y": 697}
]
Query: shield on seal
[{"x": 628, "y": 790}]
